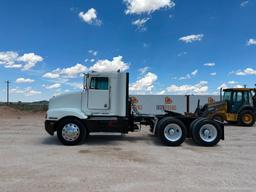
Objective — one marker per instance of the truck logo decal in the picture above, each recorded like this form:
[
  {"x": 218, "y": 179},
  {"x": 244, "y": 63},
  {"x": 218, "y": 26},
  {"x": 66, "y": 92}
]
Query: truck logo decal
[{"x": 168, "y": 100}]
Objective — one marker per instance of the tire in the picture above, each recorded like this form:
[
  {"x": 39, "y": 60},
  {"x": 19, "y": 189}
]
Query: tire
[
  {"x": 172, "y": 132},
  {"x": 193, "y": 123},
  {"x": 71, "y": 131},
  {"x": 158, "y": 125},
  {"x": 206, "y": 132},
  {"x": 246, "y": 118}
]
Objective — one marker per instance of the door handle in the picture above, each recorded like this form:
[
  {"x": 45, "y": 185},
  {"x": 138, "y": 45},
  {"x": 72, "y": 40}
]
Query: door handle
[{"x": 105, "y": 105}]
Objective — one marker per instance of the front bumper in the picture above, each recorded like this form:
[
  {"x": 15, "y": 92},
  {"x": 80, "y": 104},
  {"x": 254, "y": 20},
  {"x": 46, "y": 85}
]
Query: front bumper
[{"x": 50, "y": 126}]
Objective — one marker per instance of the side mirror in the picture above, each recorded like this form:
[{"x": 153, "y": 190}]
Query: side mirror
[{"x": 86, "y": 76}]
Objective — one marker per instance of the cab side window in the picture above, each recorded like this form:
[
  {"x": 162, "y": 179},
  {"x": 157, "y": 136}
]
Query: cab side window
[
  {"x": 238, "y": 97},
  {"x": 247, "y": 98},
  {"x": 99, "y": 83},
  {"x": 227, "y": 96}
]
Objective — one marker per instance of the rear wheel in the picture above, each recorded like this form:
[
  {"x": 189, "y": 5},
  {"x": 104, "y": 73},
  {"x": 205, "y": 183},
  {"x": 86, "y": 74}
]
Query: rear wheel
[
  {"x": 172, "y": 132},
  {"x": 71, "y": 131},
  {"x": 247, "y": 118},
  {"x": 206, "y": 132},
  {"x": 193, "y": 124}
]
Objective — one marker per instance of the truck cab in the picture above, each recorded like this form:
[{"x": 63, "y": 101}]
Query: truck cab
[{"x": 105, "y": 97}]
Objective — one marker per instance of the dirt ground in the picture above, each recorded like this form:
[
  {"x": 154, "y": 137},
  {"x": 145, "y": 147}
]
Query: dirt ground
[{"x": 31, "y": 160}]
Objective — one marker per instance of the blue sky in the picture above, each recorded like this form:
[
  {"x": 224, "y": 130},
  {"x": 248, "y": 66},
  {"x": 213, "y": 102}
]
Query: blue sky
[{"x": 169, "y": 47}]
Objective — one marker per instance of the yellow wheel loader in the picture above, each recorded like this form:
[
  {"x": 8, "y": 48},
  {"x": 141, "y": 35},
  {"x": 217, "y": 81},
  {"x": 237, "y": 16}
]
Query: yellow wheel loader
[{"x": 236, "y": 106}]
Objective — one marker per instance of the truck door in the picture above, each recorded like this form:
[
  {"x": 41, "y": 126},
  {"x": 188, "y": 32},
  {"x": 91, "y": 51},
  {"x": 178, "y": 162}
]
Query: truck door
[{"x": 99, "y": 93}]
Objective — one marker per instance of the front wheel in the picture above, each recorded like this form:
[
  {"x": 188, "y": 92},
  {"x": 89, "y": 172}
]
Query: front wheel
[
  {"x": 71, "y": 131},
  {"x": 172, "y": 132},
  {"x": 247, "y": 118}
]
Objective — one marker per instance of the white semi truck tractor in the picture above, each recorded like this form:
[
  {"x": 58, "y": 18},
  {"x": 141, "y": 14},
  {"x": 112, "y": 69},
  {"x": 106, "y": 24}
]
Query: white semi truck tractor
[{"x": 105, "y": 106}]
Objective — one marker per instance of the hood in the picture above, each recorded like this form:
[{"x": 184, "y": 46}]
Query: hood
[{"x": 69, "y": 100}]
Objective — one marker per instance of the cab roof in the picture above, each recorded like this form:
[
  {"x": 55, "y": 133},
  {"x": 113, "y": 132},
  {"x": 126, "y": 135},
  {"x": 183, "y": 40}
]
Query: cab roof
[{"x": 240, "y": 89}]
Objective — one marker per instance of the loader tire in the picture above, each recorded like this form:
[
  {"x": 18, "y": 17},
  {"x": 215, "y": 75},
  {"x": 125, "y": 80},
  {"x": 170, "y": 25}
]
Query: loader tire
[
  {"x": 71, "y": 131},
  {"x": 172, "y": 132},
  {"x": 246, "y": 118}
]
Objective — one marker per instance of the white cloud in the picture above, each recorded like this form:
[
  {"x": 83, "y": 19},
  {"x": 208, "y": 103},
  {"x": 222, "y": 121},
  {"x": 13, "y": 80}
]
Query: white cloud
[
  {"x": 189, "y": 76},
  {"x": 13, "y": 66},
  {"x": 23, "y": 80},
  {"x": 209, "y": 64},
  {"x": 93, "y": 52},
  {"x": 194, "y": 72},
  {"x": 90, "y": 17},
  {"x": 140, "y": 23},
  {"x": 223, "y": 86},
  {"x": 143, "y": 70},
  {"x": 182, "y": 53},
  {"x": 30, "y": 60},
  {"x": 213, "y": 73},
  {"x": 244, "y": 3},
  {"x": 51, "y": 75},
  {"x": 8, "y": 59},
  {"x": 52, "y": 86},
  {"x": 230, "y": 84},
  {"x": 27, "y": 91},
  {"x": 247, "y": 71},
  {"x": 161, "y": 92},
  {"x": 146, "y": 6},
  {"x": 239, "y": 86},
  {"x": 109, "y": 66},
  {"x": 11, "y": 59},
  {"x": 191, "y": 38},
  {"x": 145, "y": 84},
  {"x": 68, "y": 72},
  {"x": 199, "y": 88},
  {"x": 100, "y": 66},
  {"x": 74, "y": 70},
  {"x": 251, "y": 42}
]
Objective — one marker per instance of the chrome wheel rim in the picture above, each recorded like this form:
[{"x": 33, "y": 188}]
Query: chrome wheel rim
[
  {"x": 208, "y": 133},
  {"x": 70, "y": 132},
  {"x": 172, "y": 132}
]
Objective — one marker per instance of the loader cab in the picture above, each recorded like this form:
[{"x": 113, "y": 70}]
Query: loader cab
[{"x": 237, "y": 98}]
